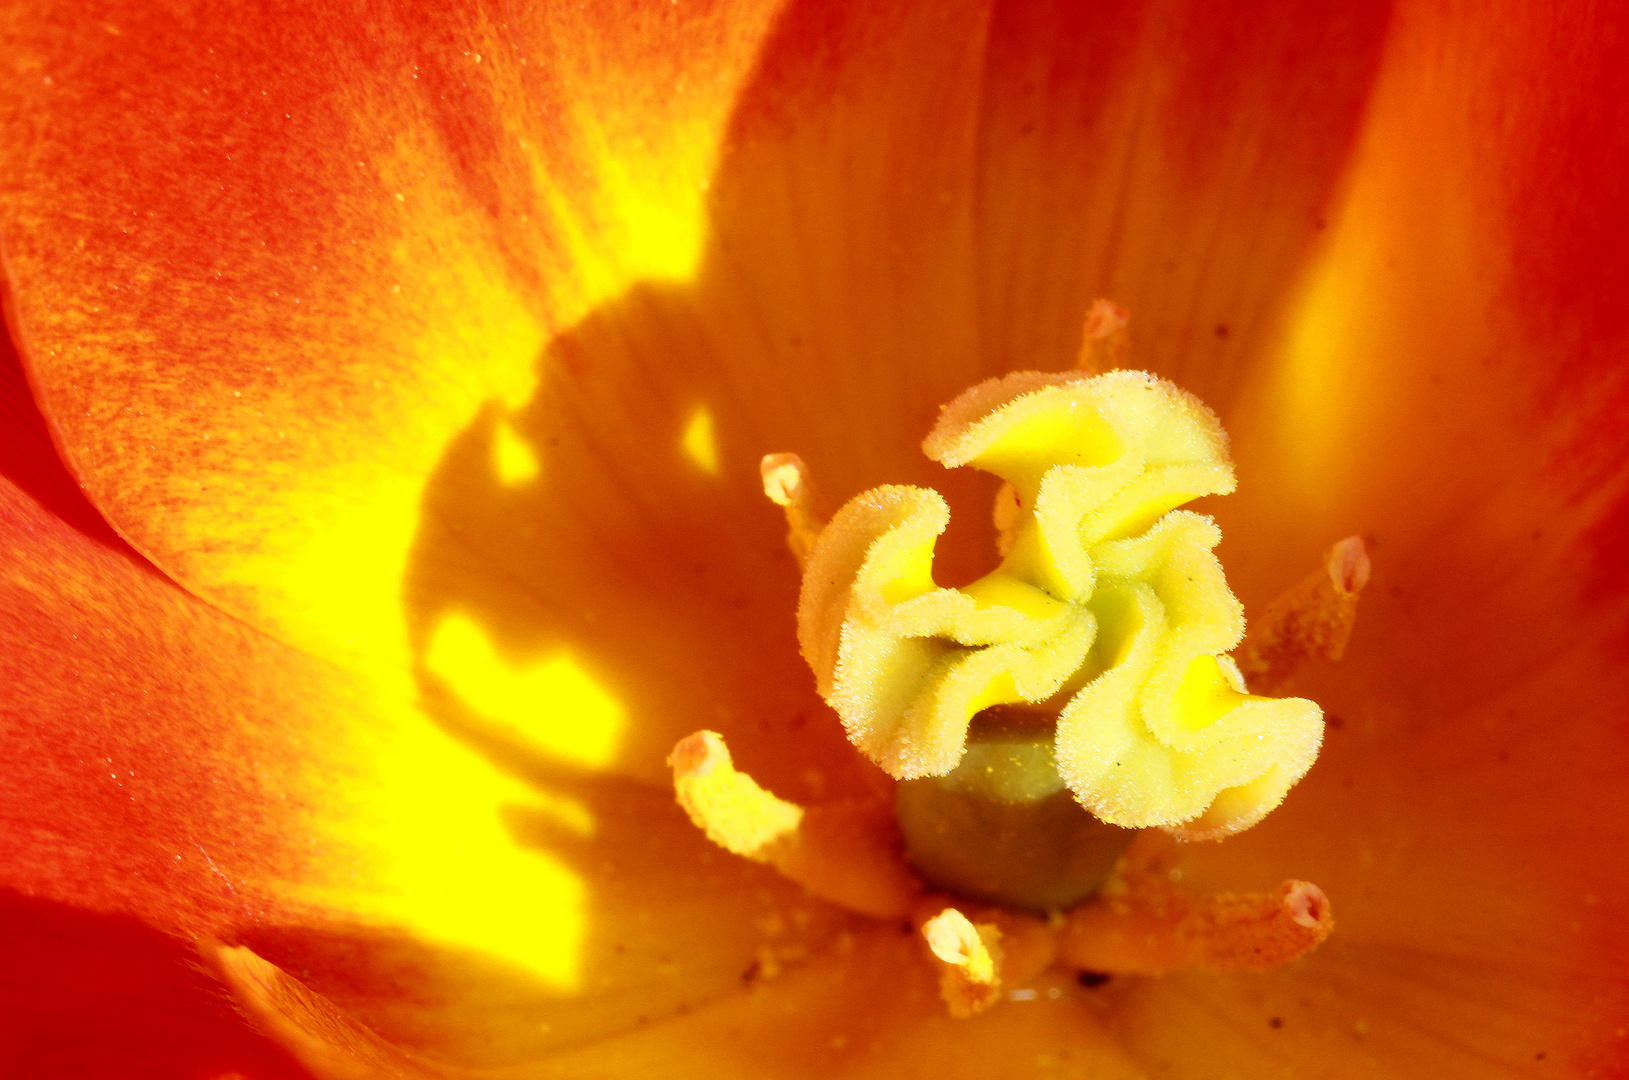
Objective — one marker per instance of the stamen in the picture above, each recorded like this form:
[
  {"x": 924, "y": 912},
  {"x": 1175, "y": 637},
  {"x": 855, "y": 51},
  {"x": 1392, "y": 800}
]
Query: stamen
[
  {"x": 1017, "y": 947},
  {"x": 1143, "y": 923},
  {"x": 1313, "y": 618},
  {"x": 955, "y": 940},
  {"x": 1104, "y": 343},
  {"x": 846, "y": 852},
  {"x": 786, "y": 482},
  {"x": 970, "y": 983},
  {"x": 1035, "y": 717}
]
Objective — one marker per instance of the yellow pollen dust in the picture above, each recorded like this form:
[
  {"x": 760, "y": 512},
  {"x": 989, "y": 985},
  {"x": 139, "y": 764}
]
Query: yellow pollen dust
[{"x": 1109, "y": 609}]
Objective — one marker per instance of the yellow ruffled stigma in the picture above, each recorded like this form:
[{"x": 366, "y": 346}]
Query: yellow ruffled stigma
[{"x": 1108, "y": 610}]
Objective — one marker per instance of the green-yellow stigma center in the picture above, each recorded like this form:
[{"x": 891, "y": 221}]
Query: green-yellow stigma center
[{"x": 1107, "y": 623}]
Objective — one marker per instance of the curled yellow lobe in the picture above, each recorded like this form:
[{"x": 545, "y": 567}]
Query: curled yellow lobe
[{"x": 1108, "y": 608}]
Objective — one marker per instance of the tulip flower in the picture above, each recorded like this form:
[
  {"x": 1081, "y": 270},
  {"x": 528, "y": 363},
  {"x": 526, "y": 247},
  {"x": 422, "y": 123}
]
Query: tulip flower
[{"x": 415, "y": 367}]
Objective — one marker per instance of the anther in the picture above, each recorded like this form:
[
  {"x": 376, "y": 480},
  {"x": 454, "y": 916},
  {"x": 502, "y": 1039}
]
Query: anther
[
  {"x": 1104, "y": 342},
  {"x": 1313, "y": 618},
  {"x": 786, "y": 483}
]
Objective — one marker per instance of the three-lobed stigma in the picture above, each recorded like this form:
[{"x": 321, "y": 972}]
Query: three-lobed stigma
[{"x": 1108, "y": 612}]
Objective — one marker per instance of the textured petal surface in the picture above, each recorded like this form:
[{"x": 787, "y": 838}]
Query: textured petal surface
[
  {"x": 529, "y": 476},
  {"x": 267, "y": 261},
  {"x": 867, "y": 1009},
  {"x": 156, "y": 746}
]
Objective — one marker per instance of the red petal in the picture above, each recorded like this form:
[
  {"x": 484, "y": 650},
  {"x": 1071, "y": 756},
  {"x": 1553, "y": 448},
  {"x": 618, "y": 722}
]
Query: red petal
[
  {"x": 29, "y": 459},
  {"x": 99, "y": 997},
  {"x": 155, "y": 742}
]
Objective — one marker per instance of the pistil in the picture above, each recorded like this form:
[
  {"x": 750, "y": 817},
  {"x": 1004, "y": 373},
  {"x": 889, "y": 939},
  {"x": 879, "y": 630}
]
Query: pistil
[{"x": 1037, "y": 718}]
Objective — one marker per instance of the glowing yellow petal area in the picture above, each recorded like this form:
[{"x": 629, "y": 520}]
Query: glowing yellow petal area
[
  {"x": 428, "y": 825},
  {"x": 513, "y": 459},
  {"x": 442, "y": 860},
  {"x": 553, "y": 704},
  {"x": 699, "y": 443},
  {"x": 1105, "y": 592}
]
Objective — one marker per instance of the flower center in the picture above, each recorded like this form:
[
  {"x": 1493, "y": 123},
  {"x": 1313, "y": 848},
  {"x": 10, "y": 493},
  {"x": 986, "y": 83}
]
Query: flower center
[{"x": 1034, "y": 719}]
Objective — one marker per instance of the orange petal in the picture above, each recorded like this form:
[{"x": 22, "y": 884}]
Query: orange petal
[
  {"x": 794, "y": 327},
  {"x": 868, "y": 1009},
  {"x": 155, "y": 743},
  {"x": 1453, "y": 335},
  {"x": 169, "y": 762},
  {"x": 1452, "y": 388},
  {"x": 259, "y": 306},
  {"x": 323, "y": 1038},
  {"x": 29, "y": 460}
]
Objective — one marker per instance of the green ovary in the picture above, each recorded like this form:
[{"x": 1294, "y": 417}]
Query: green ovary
[{"x": 1001, "y": 827}]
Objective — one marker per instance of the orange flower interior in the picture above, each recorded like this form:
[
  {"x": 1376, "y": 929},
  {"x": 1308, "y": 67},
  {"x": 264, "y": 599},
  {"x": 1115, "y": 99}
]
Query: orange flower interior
[{"x": 1035, "y": 717}]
